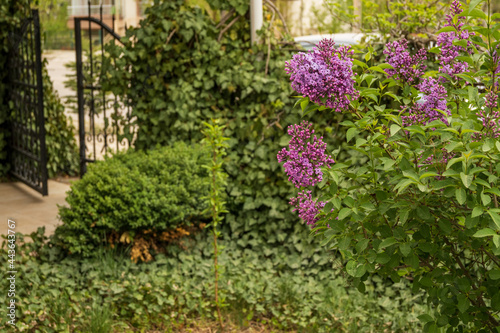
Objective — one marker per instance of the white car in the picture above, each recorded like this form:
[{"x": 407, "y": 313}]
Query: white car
[
  {"x": 351, "y": 38},
  {"x": 308, "y": 42}
]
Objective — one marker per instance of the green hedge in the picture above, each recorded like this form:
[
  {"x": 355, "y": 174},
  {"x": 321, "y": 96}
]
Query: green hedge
[{"x": 134, "y": 192}]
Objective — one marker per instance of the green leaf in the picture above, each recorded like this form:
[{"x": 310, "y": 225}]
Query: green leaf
[
  {"x": 452, "y": 145},
  {"x": 351, "y": 267},
  {"x": 387, "y": 242},
  {"x": 425, "y": 318},
  {"x": 496, "y": 218},
  {"x": 445, "y": 226},
  {"x": 477, "y": 13},
  {"x": 460, "y": 195},
  {"x": 446, "y": 29},
  {"x": 477, "y": 211},
  {"x": 359, "y": 63},
  {"x": 377, "y": 69},
  {"x": 351, "y": 132},
  {"x": 344, "y": 212},
  {"x": 360, "y": 271},
  {"x": 453, "y": 161},
  {"x": 394, "y": 129},
  {"x": 485, "y": 199},
  {"x": 428, "y": 174},
  {"x": 415, "y": 129},
  {"x": 494, "y": 274},
  {"x": 404, "y": 184},
  {"x": 362, "y": 244},
  {"x": 344, "y": 243},
  {"x": 494, "y": 191},
  {"x": 466, "y": 179},
  {"x": 484, "y": 233},
  {"x": 496, "y": 240},
  {"x": 405, "y": 249},
  {"x": 463, "y": 303},
  {"x": 473, "y": 4}
]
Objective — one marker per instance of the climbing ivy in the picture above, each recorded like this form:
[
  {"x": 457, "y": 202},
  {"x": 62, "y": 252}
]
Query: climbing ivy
[{"x": 180, "y": 68}]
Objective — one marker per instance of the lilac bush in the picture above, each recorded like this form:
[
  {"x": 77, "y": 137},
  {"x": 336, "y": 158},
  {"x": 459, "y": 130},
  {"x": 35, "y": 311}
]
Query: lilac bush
[{"x": 421, "y": 201}]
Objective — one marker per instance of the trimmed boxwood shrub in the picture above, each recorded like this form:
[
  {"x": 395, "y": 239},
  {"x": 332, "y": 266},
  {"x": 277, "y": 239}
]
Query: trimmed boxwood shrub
[{"x": 134, "y": 193}]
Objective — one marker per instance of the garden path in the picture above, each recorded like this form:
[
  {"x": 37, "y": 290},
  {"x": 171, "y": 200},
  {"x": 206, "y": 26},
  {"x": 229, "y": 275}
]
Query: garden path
[{"x": 28, "y": 208}]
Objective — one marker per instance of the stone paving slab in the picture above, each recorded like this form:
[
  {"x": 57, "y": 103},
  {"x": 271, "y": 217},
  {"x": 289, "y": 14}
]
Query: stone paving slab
[{"x": 30, "y": 209}]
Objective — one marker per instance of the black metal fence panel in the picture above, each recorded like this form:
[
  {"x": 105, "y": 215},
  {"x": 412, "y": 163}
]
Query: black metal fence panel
[
  {"x": 28, "y": 153},
  {"x": 102, "y": 116}
]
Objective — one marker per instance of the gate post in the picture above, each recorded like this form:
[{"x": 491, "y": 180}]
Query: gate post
[
  {"x": 79, "y": 85},
  {"x": 41, "y": 113}
]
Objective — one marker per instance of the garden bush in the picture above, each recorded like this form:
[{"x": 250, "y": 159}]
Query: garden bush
[
  {"x": 131, "y": 195},
  {"x": 424, "y": 207}
]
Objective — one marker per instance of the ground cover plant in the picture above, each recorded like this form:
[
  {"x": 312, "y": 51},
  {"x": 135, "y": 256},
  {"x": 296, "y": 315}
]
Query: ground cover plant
[
  {"x": 174, "y": 293},
  {"x": 424, "y": 206}
]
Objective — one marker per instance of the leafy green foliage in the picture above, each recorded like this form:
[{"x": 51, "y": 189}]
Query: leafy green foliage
[
  {"x": 132, "y": 192},
  {"x": 62, "y": 151},
  {"x": 425, "y": 204},
  {"x": 193, "y": 78},
  {"x": 54, "y": 23},
  {"x": 393, "y": 19},
  {"x": 58, "y": 293}
]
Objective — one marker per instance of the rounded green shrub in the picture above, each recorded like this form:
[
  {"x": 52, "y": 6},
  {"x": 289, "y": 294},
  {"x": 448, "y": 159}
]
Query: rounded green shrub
[{"x": 134, "y": 192}]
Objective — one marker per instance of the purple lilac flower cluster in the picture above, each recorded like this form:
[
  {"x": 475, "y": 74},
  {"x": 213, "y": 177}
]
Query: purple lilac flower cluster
[
  {"x": 491, "y": 100},
  {"x": 324, "y": 75},
  {"x": 449, "y": 65},
  {"x": 440, "y": 161},
  {"x": 495, "y": 59},
  {"x": 407, "y": 68},
  {"x": 305, "y": 157},
  {"x": 491, "y": 122},
  {"x": 425, "y": 110},
  {"x": 307, "y": 207}
]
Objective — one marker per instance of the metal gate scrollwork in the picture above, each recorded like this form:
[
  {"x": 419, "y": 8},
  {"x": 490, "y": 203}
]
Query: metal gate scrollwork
[
  {"x": 28, "y": 153},
  {"x": 104, "y": 120}
]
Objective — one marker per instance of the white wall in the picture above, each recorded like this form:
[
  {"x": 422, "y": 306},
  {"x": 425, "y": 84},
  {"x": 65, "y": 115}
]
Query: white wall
[{"x": 299, "y": 15}]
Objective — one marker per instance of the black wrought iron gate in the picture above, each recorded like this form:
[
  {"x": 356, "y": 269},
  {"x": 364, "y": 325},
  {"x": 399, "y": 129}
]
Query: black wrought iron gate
[
  {"x": 102, "y": 117},
  {"x": 28, "y": 153}
]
